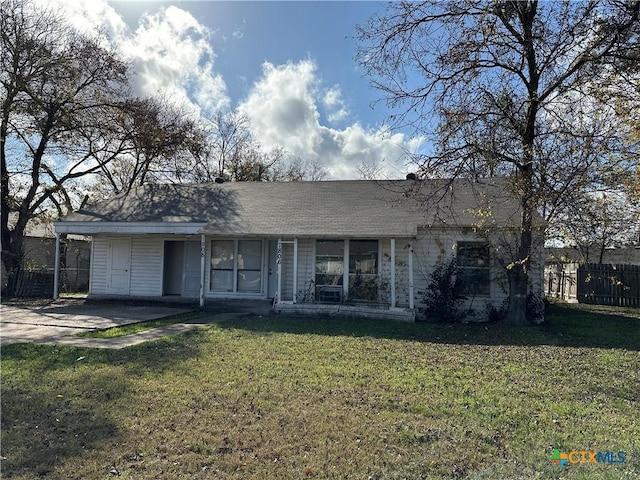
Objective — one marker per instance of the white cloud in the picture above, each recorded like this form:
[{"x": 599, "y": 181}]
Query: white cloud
[
  {"x": 171, "y": 55},
  {"x": 238, "y": 31},
  {"x": 282, "y": 109},
  {"x": 333, "y": 101},
  {"x": 169, "y": 50},
  {"x": 89, "y": 16}
]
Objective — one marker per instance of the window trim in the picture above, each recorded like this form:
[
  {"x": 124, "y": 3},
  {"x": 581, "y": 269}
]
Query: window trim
[
  {"x": 317, "y": 286},
  {"x": 466, "y": 268},
  {"x": 346, "y": 249},
  {"x": 234, "y": 291},
  {"x": 366, "y": 276}
]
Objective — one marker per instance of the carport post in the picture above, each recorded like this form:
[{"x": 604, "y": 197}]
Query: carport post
[
  {"x": 203, "y": 253},
  {"x": 56, "y": 267},
  {"x": 393, "y": 272},
  {"x": 411, "y": 299},
  {"x": 279, "y": 272}
]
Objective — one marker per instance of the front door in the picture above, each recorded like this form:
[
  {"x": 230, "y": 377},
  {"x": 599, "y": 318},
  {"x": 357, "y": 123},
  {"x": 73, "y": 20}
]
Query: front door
[
  {"x": 118, "y": 271},
  {"x": 173, "y": 267}
]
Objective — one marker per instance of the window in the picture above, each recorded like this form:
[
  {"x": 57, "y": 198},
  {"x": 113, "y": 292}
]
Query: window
[
  {"x": 363, "y": 270},
  {"x": 474, "y": 267},
  {"x": 329, "y": 270},
  {"x": 362, "y": 265},
  {"x": 222, "y": 265},
  {"x": 249, "y": 266},
  {"x": 236, "y": 266}
]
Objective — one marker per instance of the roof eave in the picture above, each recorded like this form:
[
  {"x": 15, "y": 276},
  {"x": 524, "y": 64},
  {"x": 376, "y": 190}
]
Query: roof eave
[{"x": 92, "y": 228}]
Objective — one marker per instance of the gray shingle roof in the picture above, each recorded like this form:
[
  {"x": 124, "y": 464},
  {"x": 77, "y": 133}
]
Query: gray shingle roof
[{"x": 349, "y": 208}]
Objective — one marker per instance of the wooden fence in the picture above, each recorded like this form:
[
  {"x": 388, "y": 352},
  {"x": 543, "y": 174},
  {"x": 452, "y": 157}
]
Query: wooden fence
[
  {"x": 561, "y": 281},
  {"x": 605, "y": 284}
]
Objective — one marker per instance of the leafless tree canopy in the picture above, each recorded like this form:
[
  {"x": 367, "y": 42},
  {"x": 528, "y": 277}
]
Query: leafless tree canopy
[
  {"x": 69, "y": 118},
  {"x": 526, "y": 89}
]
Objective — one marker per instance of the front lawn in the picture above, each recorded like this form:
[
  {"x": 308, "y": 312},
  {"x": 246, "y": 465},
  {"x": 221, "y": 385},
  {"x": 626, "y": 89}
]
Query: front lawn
[{"x": 291, "y": 398}]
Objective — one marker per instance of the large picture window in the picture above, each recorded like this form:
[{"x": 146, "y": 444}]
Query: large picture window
[
  {"x": 329, "y": 270},
  {"x": 361, "y": 264},
  {"x": 363, "y": 270},
  {"x": 474, "y": 267},
  {"x": 236, "y": 266},
  {"x": 222, "y": 265}
]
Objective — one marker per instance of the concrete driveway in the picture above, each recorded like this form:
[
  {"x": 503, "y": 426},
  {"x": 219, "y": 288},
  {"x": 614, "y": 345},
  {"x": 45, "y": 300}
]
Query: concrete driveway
[{"x": 47, "y": 323}]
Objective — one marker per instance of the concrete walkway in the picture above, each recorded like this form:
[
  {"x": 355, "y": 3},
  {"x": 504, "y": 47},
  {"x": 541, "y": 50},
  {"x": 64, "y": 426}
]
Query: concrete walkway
[
  {"x": 57, "y": 322},
  {"x": 137, "y": 338}
]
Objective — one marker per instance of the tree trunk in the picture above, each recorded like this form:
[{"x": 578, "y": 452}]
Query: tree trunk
[
  {"x": 518, "y": 290},
  {"x": 518, "y": 271},
  {"x": 12, "y": 256}
]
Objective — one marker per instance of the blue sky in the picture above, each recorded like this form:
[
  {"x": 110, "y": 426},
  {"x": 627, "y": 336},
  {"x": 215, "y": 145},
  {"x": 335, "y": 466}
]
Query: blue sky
[{"x": 287, "y": 66}]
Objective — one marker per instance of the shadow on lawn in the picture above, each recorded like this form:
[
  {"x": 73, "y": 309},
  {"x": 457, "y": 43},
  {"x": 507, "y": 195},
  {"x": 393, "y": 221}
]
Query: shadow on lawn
[
  {"x": 565, "y": 326},
  {"x": 58, "y": 402},
  {"x": 42, "y": 426}
]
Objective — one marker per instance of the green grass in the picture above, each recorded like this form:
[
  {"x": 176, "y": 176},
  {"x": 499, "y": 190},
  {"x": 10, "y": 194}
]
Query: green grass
[
  {"x": 293, "y": 398},
  {"x": 143, "y": 326}
]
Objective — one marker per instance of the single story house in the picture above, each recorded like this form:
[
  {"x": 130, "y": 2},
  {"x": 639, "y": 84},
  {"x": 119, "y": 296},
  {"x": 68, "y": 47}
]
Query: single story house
[{"x": 354, "y": 247}]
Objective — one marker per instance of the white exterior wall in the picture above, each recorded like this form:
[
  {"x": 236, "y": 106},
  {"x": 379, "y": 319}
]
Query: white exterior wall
[
  {"x": 306, "y": 267},
  {"x": 434, "y": 247},
  {"x": 286, "y": 271},
  {"x": 99, "y": 263},
  {"x": 147, "y": 258},
  {"x": 430, "y": 249},
  {"x": 402, "y": 270}
]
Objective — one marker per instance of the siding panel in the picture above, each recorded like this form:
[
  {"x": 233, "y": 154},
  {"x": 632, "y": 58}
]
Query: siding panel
[
  {"x": 146, "y": 266},
  {"x": 432, "y": 248},
  {"x": 99, "y": 264},
  {"x": 306, "y": 262},
  {"x": 402, "y": 271}
]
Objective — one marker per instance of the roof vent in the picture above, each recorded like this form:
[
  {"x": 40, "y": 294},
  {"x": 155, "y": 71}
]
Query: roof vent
[
  {"x": 411, "y": 176},
  {"x": 219, "y": 180}
]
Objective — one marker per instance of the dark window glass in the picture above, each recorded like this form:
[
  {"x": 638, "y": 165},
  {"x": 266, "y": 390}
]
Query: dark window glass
[{"x": 474, "y": 267}]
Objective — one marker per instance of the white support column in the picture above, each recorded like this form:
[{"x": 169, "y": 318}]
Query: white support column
[
  {"x": 411, "y": 299},
  {"x": 279, "y": 271},
  {"x": 203, "y": 254},
  {"x": 295, "y": 270},
  {"x": 56, "y": 267},
  {"x": 345, "y": 271},
  {"x": 393, "y": 272}
]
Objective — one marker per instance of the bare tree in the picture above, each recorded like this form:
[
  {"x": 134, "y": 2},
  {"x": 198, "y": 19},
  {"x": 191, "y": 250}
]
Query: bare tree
[
  {"x": 150, "y": 141},
  {"x": 55, "y": 83},
  {"x": 230, "y": 152},
  {"x": 600, "y": 221},
  {"x": 230, "y": 141},
  {"x": 507, "y": 88},
  {"x": 299, "y": 169}
]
